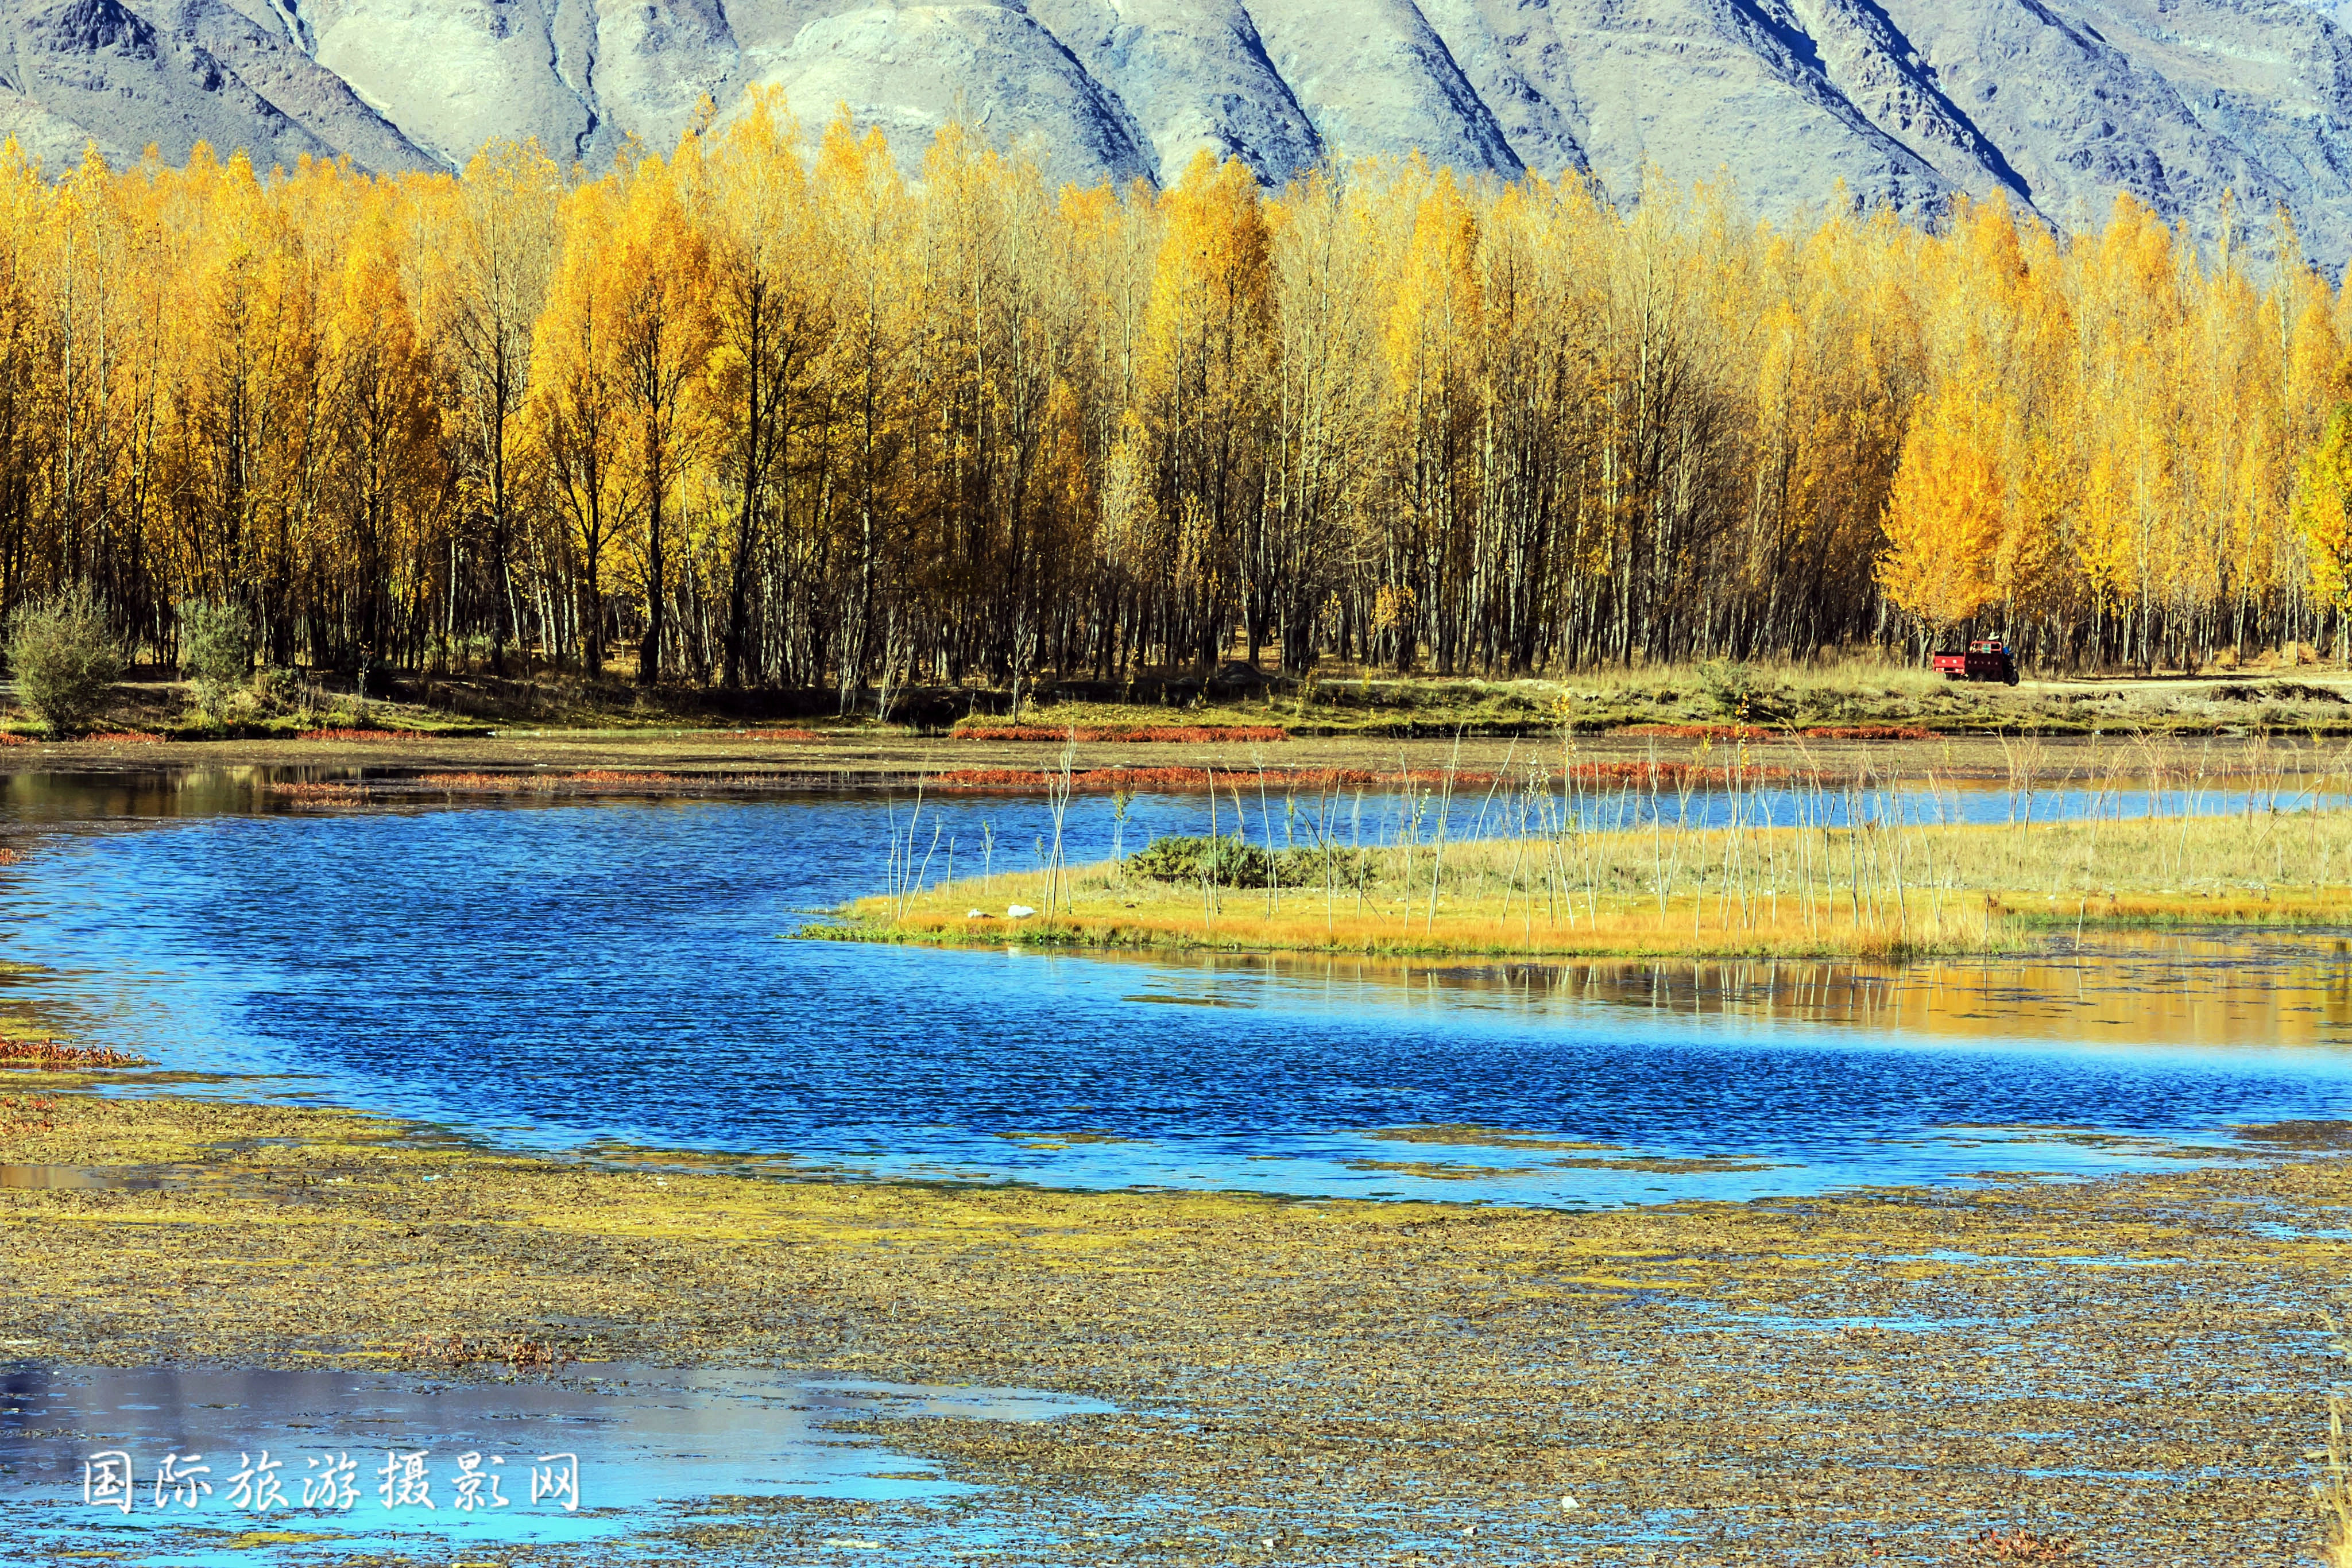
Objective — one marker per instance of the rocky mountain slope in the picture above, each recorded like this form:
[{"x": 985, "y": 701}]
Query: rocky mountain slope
[{"x": 2058, "y": 104}]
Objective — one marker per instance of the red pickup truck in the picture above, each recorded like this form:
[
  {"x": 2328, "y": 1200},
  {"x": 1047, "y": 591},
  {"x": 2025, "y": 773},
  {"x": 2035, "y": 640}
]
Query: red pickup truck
[{"x": 1986, "y": 659}]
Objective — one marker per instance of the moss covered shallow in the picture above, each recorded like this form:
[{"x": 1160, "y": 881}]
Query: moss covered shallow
[{"x": 2135, "y": 1363}]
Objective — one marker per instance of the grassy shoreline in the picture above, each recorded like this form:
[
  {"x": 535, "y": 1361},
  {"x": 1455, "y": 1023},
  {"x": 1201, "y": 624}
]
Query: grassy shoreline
[
  {"x": 1853, "y": 697},
  {"x": 1883, "y": 891}
]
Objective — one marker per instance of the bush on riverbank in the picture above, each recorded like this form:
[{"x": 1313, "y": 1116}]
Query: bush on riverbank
[
  {"x": 1234, "y": 863},
  {"x": 64, "y": 658},
  {"x": 215, "y": 655}
]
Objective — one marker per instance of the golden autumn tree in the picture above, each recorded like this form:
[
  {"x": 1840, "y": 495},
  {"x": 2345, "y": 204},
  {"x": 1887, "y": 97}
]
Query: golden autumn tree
[
  {"x": 870, "y": 221},
  {"x": 1201, "y": 383},
  {"x": 500, "y": 255},
  {"x": 1110, "y": 246},
  {"x": 1430, "y": 346},
  {"x": 655, "y": 273},
  {"x": 1321, "y": 410},
  {"x": 2323, "y": 512},
  {"x": 381, "y": 468},
  {"x": 577, "y": 416},
  {"x": 773, "y": 296},
  {"x": 1948, "y": 510}
]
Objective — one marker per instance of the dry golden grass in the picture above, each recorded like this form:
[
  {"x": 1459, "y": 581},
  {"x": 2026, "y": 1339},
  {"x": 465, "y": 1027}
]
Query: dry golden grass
[
  {"x": 1863, "y": 676},
  {"x": 1876, "y": 891},
  {"x": 1628, "y": 933}
]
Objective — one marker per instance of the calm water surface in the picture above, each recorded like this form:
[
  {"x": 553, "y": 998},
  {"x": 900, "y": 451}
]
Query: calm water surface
[
  {"x": 560, "y": 1461},
  {"x": 560, "y": 974}
]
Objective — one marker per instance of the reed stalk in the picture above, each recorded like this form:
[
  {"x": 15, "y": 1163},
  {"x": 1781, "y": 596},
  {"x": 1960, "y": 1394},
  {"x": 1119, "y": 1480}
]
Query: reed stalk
[{"x": 1798, "y": 861}]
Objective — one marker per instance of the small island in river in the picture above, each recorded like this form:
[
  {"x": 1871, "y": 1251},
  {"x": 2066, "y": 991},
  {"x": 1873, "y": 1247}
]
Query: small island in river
[{"x": 1645, "y": 858}]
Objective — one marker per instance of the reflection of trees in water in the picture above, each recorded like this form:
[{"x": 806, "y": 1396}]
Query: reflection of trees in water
[{"x": 2143, "y": 988}]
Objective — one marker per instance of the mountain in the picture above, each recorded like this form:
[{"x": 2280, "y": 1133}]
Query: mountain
[{"x": 2056, "y": 104}]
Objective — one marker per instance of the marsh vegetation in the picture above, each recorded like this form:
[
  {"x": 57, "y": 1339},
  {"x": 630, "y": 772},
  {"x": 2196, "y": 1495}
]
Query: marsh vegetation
[
  {"x": 1753, "y": 850},
  {"x": 1350, "y": 1379}
]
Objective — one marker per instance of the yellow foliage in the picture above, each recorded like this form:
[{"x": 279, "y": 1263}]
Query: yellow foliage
[
  {"x": 1950, "y": 509},
  {"x": 770, "y": 411},
  {"x": 2323, "y": 510}
]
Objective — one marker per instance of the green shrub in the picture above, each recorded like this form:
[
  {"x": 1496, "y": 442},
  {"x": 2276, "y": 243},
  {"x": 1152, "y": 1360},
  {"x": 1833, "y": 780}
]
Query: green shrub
[
  {"x": 1236, "y": 862},
  {"x": 64, "y": 657},
  {"x": 215, "y": 650},
  {"x": 280, "y": 690},
  {"x": 1738, "y": 691}
]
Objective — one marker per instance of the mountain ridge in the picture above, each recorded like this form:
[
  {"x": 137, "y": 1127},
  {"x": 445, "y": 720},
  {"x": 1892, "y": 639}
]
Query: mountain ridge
[{"x": 2056, "y": 105}]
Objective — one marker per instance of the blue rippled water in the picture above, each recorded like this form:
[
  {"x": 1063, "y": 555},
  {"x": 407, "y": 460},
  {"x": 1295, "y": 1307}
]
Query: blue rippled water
[{"x": 553, "y": 976}]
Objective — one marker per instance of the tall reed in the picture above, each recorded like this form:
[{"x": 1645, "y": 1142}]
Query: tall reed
[{"x": 1794, "y": 851}]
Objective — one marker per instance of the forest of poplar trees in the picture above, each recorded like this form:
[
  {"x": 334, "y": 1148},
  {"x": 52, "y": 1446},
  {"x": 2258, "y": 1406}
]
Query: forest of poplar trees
[{"x": 770, "y": 411}]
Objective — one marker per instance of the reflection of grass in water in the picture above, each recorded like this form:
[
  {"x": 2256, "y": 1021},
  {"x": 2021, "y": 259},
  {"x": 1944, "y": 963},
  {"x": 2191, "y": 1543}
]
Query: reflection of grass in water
[
  {"x": 1886, "y": 890},
  {"x": 1458, "y": 1135},
  {"x": 1060, "y": 1140},
  {"x": 1466, "y": 1135},
  {"x": 1099, "y": 916},
  {"x": 1669, "y": 1165},
  {"x": 1653, "y": 1165},
  {"x": 1431, "y": 1171},
  {"x": 2014, "y": 1133}
]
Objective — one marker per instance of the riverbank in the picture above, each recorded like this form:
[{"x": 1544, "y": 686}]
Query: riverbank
[
  {"x": 1871, "y": 1378},
  {"x": 1885, "y": 888},
  {"x": 2286, "y": 695},
  {"x": 656, "y": 762}
]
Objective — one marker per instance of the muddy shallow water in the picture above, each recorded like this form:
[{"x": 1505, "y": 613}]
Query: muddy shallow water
[{"x": 623, "y": 972}]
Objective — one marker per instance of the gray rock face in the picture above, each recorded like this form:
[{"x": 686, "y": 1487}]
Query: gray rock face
[
  {"x": 2058, "y": 105},
  {"x": 77, "y": 72}
]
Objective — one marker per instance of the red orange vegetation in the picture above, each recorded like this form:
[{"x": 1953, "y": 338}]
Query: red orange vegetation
[
  {"x": 49, "y": 1055},
  {"x": 1169, "y": 733},
  {"x": 540, "y": 783},
  {"x": 1756, "y": 732},
  {"x": 622, "y": 776},
  {"x": 1176, "y": 780},
  {"x": 488, "y": 783},
  {"x": 1867, "y": 732},
  {"x": 1105, "y": 780},
  {"x": 360, "y": 735},
  {"x": 18, "y": 1115},
  {"x": 306, "y": 789}
]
